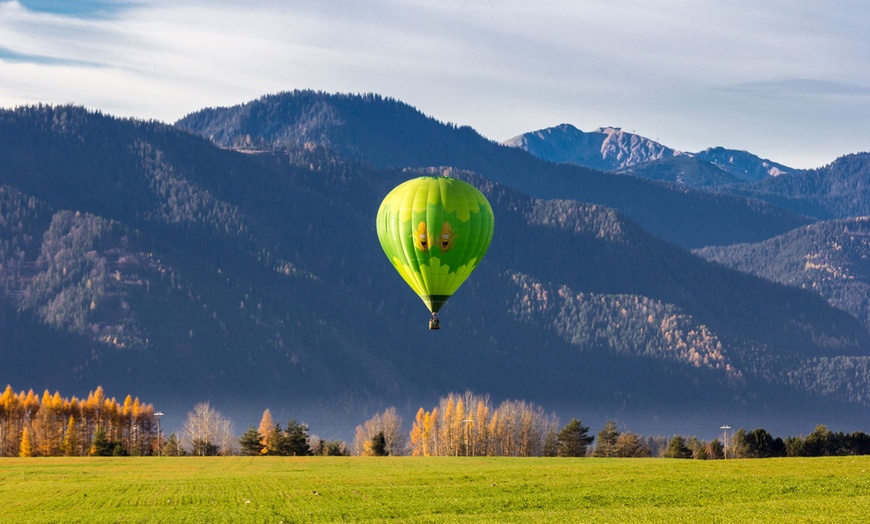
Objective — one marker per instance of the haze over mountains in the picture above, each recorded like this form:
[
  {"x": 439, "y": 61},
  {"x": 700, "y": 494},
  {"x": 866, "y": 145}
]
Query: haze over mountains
[{"x": 232, "y": 257}]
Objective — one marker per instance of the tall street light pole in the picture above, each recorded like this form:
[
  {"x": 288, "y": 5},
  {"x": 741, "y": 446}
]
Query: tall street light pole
[
  {"x": 158, "y": 414},
  {"x": 725, "y": 439}
]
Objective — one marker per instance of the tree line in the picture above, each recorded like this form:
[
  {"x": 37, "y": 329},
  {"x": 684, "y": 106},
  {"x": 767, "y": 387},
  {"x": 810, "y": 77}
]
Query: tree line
[
  {"x": 52, "y": 425},
  {"x": 459, "y": 425}
]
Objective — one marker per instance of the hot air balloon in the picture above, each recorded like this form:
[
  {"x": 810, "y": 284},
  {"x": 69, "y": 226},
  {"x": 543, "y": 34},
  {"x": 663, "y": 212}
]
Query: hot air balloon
[{"x": 435, "y": 230}]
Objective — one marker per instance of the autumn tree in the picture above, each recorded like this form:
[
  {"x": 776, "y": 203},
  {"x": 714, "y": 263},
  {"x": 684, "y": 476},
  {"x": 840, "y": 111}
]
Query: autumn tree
[
  {"x": 631, "y": 445},
  {"x": 46, "y": 433},
  {"x": 418, "y": 442},
  {"x": 390, "y": 424},
  {"x": 268, "y": 432},
  {"x": 11, "y": 422},
  {"x": 26, "y": 448},
  {"x": 70, "y": 446},
  {"x": 714, "y": 450}
]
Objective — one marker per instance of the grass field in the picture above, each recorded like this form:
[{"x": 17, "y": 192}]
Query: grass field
[{"x": 405, "y": 489}]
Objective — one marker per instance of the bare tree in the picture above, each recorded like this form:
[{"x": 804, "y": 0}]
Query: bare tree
[
  {"x": 207, "y": 432},
  {"x": 390, "y": 424}
]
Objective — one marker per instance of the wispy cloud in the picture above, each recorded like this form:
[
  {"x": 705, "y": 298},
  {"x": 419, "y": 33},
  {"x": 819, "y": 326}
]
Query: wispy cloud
[
  {"x": 805, "y": 87},
  {"x": 9, "y": 55},
  {"x": 78, "y": 8},
  {"x": 672, "y": 69}
]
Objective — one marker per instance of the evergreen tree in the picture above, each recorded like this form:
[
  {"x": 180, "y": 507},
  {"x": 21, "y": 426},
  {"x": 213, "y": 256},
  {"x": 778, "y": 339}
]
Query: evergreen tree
[
  {"x": 738, "y": 447},
  {"x": 295, "y": 441},
  {"x": 678, "y": 448},
  {"x": 819, "y": 443},
  {"x": 334, "y": 448},
  {"x": 760, "y": 444},
  {"x": 251, "y": 443},
  {"x": 379, "y": 445},
  {"x": 101, "y": 446},
  {"x": 606, "y": 446},
  {"x": 573, "y": 439},
  {"x": 173, "y": 447}
]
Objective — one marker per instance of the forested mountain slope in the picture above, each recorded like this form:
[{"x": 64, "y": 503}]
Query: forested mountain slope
[
  {"x": 387, "y": 133},
  {"x": 146, "y": 259},
  {"x": 838, "y": 190},
  {"x": 830, "y": 258}
]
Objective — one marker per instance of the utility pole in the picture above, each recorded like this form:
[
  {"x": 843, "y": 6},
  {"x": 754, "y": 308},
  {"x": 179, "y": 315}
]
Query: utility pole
[
  {"x": 158, "y": 414},
  {"x": 725, "y": 439}
]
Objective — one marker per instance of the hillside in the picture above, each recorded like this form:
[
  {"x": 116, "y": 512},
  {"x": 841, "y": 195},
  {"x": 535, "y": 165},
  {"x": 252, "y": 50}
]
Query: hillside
[
  {"x": 830, "y": 258},
  {"x": 146, "y": 259},
  {"x": 683, "y": 170},
  {"x": 838, "y": 190},
  {"x": 387, "y": 133},
  {"x": 744, "y": 165}
]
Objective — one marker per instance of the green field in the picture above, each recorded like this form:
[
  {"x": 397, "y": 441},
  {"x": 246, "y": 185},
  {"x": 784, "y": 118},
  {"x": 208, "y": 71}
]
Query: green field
[{"x": 405, "y": 489}]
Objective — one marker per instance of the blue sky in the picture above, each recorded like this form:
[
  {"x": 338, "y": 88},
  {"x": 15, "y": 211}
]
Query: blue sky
[{"x": 786, "y": 80}]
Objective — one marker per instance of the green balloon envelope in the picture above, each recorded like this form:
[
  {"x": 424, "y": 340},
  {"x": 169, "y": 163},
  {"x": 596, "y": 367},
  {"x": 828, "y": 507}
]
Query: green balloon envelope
[{"x": 435, "y": 230}]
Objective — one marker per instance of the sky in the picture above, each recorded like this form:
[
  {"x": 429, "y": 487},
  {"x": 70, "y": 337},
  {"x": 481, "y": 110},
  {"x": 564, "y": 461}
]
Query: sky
[{"x": 787, "y": 80}]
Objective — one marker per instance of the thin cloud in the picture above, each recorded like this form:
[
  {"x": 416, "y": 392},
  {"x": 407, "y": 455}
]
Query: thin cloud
[
  {"x": 809, "y": 87},
  {"x": 9, "y": 55},
  {"x": 689, "y": 73}
]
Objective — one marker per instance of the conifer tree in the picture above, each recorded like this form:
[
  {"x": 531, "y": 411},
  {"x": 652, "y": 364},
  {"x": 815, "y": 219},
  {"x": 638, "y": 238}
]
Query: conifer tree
[
  {"x": 295, "y": 441},
  {"x": 678, "y": 448},
  {"x": 70, "y": 444},
  {"x": 268, "y": 433},
  {"x": 606, "y": 446},
  {"x": 378, "y": 445},
  {"x": 101, "y": 447},
  {"x": 26, "y": 449},
  {"x": 418, "y": 445},
  {"x": 251, "y": 443},
  {"x": 573, "y": 439}
]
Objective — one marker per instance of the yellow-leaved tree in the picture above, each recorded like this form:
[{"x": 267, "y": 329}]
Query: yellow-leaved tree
[
  {"x": 26, "y": 449},
  {"x": 268, "y": 433},
  {"x": 70, "y": 446}
]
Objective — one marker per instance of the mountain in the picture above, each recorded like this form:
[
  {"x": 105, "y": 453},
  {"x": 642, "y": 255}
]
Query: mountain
[
  {"x": 147, "y": 259},
  {"x": 744, "y": 165},
  {"x": 838, "y": 190},
  {"x": 605, "y": 149},
  {"x": 386, "y": 133},
  {"x": 611, "y": 149},
  {"x": 830, "y": 258},
  {"x": 684, "y": 170}
]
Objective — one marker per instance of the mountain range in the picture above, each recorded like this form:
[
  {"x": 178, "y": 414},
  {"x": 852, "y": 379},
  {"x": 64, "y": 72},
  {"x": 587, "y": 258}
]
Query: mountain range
[
  {"x": 612, "y": 149},
  {"x": 232, "y": 257}
]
